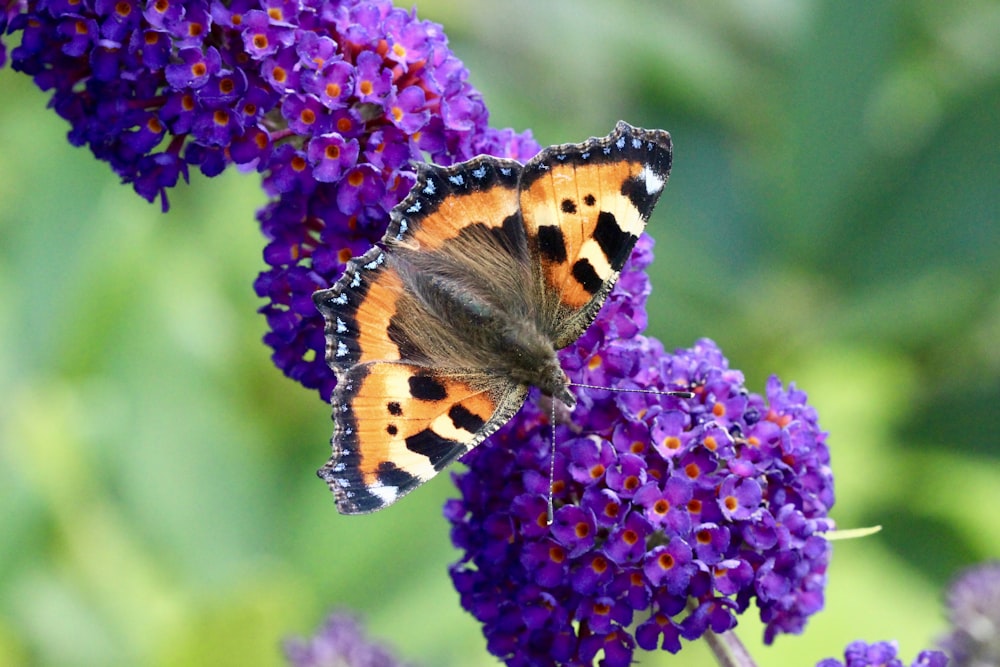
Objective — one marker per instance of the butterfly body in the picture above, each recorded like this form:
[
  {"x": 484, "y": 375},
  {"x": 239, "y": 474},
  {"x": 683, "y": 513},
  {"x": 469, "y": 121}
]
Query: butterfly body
[
  {"x": 488, "y": 268},
  {"x": 500, "y": 332}
]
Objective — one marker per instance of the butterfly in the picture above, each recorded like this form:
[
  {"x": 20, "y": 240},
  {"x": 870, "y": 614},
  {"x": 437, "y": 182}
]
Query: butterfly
[{"x": 488, "y": 267}]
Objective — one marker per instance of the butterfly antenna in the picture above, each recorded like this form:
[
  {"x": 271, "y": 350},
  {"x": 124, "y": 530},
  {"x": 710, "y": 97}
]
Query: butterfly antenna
[
  {"x": 549, "y": 510},
  {"x": 676, "y": 394}
]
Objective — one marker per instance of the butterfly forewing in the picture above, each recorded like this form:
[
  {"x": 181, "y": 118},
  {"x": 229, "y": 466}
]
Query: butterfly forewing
[
  {"x": 446, "y": 200},
  {"x": 458, "y": 224},
  {"x": 358, "y": 311},
  {"x": 584, "y": 206}
]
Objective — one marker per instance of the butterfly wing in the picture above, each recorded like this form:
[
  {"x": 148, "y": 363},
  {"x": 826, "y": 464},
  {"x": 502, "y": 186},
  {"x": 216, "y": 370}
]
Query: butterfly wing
[
  {"x": 398, "y": 424},
  {"x": 414, "y": 389},
  {"x": 584, "y": 206},
  {"x": 459, "y": 229},
  {"x": 359, "y": 310}
]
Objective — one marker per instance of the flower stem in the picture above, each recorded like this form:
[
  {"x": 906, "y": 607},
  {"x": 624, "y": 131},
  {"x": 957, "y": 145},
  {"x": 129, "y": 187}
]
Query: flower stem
[{"x": 729, "y": 650}]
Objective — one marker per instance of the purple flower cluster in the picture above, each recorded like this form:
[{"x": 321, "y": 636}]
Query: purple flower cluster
[
  {"x": 341, "y": 642},
  {"x": 330, "y": 100},
  {"x": 974, "y": 613},
  {"x": 672, "y": 514},
  {"x": 882, "y": 654}
]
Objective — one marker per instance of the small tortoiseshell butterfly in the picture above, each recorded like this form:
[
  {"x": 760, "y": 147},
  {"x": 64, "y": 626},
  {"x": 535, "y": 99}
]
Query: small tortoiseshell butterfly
[{"x": 488, "y": 267}]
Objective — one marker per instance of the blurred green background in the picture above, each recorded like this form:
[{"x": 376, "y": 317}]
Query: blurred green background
[{"x": 832, "y": 218}]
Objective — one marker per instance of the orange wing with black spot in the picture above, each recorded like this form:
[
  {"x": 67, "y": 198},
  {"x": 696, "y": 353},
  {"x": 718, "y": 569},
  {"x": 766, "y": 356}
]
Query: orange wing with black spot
[
  {"x": 397, "y": 425},
  {"x": 584, "y": 207}
]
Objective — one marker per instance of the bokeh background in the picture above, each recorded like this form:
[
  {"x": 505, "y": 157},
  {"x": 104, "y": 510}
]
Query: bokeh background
[{"x": 832, "y": 218}]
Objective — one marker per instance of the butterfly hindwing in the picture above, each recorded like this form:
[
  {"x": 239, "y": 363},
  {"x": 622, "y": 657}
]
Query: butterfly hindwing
[
  {"x": 398, "y": 424},
  {"x": 584, "y": 206}
]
